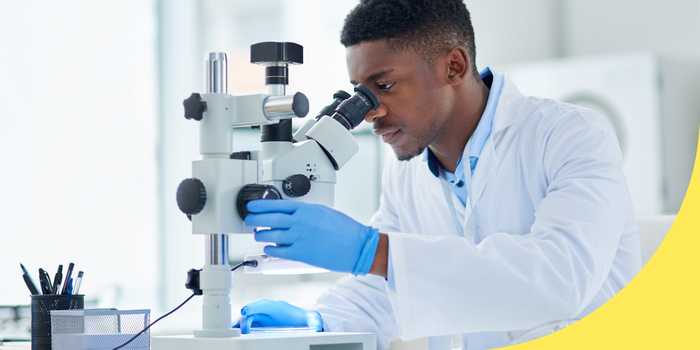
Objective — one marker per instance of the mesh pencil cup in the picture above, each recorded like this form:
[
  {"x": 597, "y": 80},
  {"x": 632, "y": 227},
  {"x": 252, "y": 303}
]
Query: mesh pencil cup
[
  {"x": 41, "y": 315},
  {"x": 100, "y": 329}
]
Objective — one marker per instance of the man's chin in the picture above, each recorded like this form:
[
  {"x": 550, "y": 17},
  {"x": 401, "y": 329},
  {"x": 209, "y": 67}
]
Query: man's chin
[{"x": 407, "y": 155}]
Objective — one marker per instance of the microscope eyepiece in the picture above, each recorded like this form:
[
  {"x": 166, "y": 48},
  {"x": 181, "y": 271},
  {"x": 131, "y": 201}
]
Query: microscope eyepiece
[
  {"x": 338, "y": 97},
  {"x": 351, "y": 112}
]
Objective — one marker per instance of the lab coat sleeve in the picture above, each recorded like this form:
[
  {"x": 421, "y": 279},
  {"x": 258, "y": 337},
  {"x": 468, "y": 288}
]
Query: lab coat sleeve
[
  {"x": 361, "y": 304},
  {"x": 449, "y": 285},
  {"x": 386, "y": 218}
]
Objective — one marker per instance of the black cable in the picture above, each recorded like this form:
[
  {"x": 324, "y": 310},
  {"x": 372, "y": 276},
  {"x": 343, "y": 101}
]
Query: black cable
[
  {"x": 251, "y": 263},
  {"x": 154, "y": 322}
]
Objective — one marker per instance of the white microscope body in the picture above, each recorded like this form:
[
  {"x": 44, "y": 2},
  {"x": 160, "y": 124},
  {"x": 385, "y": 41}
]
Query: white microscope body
[{"x": 299, "y": 167}]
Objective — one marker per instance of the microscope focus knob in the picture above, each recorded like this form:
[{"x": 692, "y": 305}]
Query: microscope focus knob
[
  {"x": 192, "y": 282},
  {"x": 191, "y": 196},
  {"x": 195, "y": 107},
  {"x": 296, "y": 185},
  {"x": 252, "y": 192}
]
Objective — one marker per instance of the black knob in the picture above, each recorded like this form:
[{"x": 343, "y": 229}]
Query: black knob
[
  {"x": 296, "y": 185},
  {"x": 195, "y": 107},
  {"x": 191, "y": 196},
  {"x": 192, "y": 282},
  {"x": 243, "y": 155},
  {"x": 252, "y": 192},
  {"x": 300, "y": 105}
]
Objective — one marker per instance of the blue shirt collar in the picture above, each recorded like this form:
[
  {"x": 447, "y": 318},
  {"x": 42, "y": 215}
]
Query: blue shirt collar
[{"x": 494, "y": 82}]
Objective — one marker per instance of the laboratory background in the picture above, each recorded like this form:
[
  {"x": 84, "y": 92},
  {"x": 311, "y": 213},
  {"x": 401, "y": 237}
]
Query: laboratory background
[{"x": 93, "y": 142}]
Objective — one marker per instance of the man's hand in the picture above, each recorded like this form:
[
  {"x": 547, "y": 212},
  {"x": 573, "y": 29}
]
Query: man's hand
[
  {"x": 314, "y": 234},
  {"x": 271, "y": 313}
]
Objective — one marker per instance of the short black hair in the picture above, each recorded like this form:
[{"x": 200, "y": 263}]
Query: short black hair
[{"x": 430, "y": 27}]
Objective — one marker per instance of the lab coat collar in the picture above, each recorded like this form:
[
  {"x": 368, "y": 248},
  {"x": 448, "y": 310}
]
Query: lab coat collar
[
  {"x": 477, "y": 182},
  {"x": 507, "y": 108},
  {"x": 506, "y": 113},
  {"x": 433, "y": 163}
]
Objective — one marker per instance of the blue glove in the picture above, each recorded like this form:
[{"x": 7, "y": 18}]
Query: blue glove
[
  {"x": 314, "y": 234},
  {"x": 271, "y": 313}
]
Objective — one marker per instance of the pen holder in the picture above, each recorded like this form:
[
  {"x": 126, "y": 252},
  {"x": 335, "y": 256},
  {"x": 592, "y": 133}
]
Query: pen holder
[
  {"x": 41, "y": 315},
  {"x": 100, "y": 329}
]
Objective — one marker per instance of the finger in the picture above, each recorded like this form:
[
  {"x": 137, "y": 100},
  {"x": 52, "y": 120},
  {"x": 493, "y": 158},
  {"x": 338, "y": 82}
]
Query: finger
[
  {"x": 260, "y": 306},
  {"x": 282, "y": 252},
  {"x": 273, "y": 220},
  {"x": 245, "y": 327},
  {"x": 283, "y": 237},
  {"x": 237, "y": 323},
  {"x": 268, "y": 206}
]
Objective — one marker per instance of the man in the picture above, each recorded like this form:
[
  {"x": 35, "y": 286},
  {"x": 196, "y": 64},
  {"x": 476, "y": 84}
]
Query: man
[{"x": 503, "y": 212}]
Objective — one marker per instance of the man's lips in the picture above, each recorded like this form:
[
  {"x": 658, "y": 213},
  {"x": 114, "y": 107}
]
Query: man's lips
[{"x": 387, "y": 134}]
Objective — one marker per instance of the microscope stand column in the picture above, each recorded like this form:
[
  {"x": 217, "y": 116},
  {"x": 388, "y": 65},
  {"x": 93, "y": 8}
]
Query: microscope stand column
[{"x": 216, "y": 282}]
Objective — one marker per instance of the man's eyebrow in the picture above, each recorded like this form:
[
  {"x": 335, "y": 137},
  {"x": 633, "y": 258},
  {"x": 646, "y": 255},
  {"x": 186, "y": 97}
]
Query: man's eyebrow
[{"x": 373, "y": 76}]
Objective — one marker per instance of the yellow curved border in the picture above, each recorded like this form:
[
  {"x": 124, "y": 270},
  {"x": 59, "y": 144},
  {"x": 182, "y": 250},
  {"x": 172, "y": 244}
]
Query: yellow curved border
[{"x": 660, "y": 307}]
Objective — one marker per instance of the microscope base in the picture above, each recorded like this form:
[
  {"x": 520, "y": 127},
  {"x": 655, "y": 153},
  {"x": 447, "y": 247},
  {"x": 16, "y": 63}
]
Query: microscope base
[
  {"x": 217, "y": 333},
  {"x": 300, "y": 341}
]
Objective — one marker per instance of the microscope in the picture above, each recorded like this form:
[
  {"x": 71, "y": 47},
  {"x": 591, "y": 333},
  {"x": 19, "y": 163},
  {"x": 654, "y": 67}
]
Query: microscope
[{"x": 297, "y": 166}]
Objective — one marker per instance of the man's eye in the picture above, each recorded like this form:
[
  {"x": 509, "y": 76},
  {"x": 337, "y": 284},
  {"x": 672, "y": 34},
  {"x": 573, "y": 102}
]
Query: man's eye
[{"x": 385, "y": 86}]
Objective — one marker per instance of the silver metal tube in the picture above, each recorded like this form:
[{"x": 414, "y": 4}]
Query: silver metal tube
[
  {"x": 215, "y": 73},
  {"x": 279, "y": 107},
  {"x": 276, "y": 90},
  {"x": 217, "y": 249}
]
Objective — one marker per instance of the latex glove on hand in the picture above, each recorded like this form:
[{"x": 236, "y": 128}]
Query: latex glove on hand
[
  {"x": 314, "y": 234},
  {"x": 271, "y": 313}
]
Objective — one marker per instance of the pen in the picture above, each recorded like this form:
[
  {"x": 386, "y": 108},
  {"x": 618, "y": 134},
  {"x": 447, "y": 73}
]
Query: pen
[
  {"x": 29, "y": 281},
  {"x": 68, "y": 273},
  {"x": 45, "y": 282},
  {"x": 57, "y": 279},
  {"x": 77, "y": 282},
  {"x": 69, "y": 290}
]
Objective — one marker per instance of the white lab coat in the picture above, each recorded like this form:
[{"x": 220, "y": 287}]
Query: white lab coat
[{"x": 556, "y": 234}]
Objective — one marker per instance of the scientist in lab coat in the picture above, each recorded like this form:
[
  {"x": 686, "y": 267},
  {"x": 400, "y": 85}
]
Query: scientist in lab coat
[{"x": 502, "y": 212}]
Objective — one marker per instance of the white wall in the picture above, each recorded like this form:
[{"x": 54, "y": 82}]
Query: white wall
[
  {"x": 509, "y": 31},
  {"x": 180, "y": 72},
  {"x": 514, "y": 30},
  {"x": 78, "y": 146},
  {"x": 598, "y": 26}
]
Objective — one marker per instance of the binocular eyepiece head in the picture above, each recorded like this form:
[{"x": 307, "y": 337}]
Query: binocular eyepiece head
[{"x": 349, "y": 110}]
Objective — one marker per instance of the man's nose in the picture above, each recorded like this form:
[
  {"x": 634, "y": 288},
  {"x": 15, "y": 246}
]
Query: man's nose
[{"x": 373, "y": 115}]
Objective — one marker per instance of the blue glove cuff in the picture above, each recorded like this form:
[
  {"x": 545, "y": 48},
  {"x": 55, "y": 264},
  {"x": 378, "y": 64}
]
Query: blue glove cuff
[{"x": 364, "y": 263}]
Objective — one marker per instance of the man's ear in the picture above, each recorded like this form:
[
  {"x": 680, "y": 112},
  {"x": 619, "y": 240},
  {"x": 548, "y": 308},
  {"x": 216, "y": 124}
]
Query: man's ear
[{"x": 457, "y": 65}]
